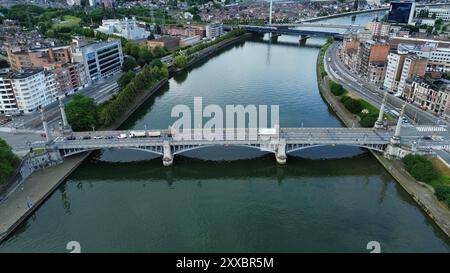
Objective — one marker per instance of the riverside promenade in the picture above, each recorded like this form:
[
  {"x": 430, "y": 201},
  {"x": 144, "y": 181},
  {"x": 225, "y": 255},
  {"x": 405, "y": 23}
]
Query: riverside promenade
[
  {"x": 422, "y": 193},
  {"x": 35, "y": 189}
]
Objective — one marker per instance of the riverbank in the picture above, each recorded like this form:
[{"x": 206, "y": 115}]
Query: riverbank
[
  {"x": 41, "y": 184},
  {"x": 422, "y": 195}
]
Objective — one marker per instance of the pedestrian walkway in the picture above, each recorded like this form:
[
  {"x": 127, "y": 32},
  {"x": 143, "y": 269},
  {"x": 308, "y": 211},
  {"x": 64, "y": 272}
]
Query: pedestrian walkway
[{"x": 431, "y": 128}]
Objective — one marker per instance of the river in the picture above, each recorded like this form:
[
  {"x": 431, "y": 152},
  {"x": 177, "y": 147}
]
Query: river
[{"x": 229, "y": 199}]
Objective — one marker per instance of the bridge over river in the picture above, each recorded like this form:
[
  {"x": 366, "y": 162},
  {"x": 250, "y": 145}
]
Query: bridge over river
[{"x": 284, "y": 141}]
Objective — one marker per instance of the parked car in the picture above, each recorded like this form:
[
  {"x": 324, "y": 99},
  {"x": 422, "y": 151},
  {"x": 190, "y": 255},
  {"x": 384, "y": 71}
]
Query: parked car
[
  {"x": 122, "y": 136},
  {"x": 87, "y": 137},
  {"x": 109, "y": 137},
  {"x": 98, "y": 137},
  {"x": 426, "y": 137}
]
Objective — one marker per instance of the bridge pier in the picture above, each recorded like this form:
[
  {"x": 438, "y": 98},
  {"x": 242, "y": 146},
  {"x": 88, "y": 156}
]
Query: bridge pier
[
  {"x": 280, "y": 152},
  {"x": 274, "y": 36},
  {"x": 167, "y": 154},
  {"x": 302, "y": 39}
]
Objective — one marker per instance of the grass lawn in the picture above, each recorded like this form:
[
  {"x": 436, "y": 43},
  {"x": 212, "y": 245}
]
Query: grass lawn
[
  {"x": 441, "y": 167},
  {"x": 69, "y": 21}
]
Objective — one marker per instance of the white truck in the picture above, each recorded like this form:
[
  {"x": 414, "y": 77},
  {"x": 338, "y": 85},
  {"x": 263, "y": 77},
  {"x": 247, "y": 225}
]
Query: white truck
[
  {"x": 154, "y": 133},
  {"x": 122, "y": 136},
  {"x": 267, "y": 131},
  {"x": 137, "y": 134}
]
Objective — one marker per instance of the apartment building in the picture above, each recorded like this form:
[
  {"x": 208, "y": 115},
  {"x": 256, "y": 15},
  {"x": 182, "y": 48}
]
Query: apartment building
[
  {"x": 214, "y": 30},
  {"x": 8, "y": 103},
  {"x": 47, "y": 58},
  {"x": 25, "y": 91},
  {"x": 401, "y": 66},
  {"x": 100, "y": 59},
  {"x": 379, "y": 29},
  {"x": 428, "y": 94},
  {"x": 372, "y": 60}
]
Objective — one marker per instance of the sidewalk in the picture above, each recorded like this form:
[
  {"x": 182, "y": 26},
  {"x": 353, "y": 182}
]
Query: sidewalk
[
  {"x": 421, "y": 193},
  {"x": 36, "y": 189}
]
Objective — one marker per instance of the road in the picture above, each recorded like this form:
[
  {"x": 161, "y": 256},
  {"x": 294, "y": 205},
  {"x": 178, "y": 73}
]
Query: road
[
  {"x": 100, "y": 91},
  {"x": 371, "y": 93}
]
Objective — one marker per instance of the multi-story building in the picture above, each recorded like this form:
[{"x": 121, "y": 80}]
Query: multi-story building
[
  {"x": 214, "y": 30},
  {"x": 167, "y": 42},
  {"x": 126, "y": 28},
  {"x": 400, "y": 67},
  {"x": 428, "y": 94},
  {"x": 379, "y": 29},
  {"x": 70, "y": 78},
  {"x": 412, "y": 66},
  {"x": 363, "y": 57},
  {"x": 48, "y": 58},
  {"x": 438, "y": 57},
  {"x": 8, "y": 103},
  {"x": 393, "y": 70},
  {"x": 100, "y": 59},
  {"x": 27, "y": 90},
  {"x": 189, "y": 31},
  {"x": 438, "y": 13}
]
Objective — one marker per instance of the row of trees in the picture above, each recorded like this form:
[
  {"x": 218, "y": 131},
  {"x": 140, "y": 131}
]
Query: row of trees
[
  {"x": 233, "y": 33},
  {"x": 84, "y": 115},
  {"x": 422, "y": 169},
  {"x": 112, "y": 109},
  {"x": 8, "y": 161},
  {"x": 142, "y": 54},
  {"x": 367, "y": 113}
]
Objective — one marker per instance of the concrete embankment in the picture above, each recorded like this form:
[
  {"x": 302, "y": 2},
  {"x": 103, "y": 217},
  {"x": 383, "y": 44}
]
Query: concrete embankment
[
  {"x": 41, "y": 184},
  {"x": 420, "y": 192}
]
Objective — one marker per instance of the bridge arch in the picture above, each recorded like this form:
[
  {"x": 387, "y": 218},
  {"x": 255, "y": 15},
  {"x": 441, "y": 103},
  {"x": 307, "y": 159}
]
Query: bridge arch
[
  {"x": 70, "y": 152},
  {"x": 179, "y": 149},
  {"x": 378, "y": 147}
]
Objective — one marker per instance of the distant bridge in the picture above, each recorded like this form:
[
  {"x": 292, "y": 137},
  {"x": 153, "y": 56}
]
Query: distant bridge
[
  {"x": 317, "y": 25},
  {"x": 303, "y": 34}
]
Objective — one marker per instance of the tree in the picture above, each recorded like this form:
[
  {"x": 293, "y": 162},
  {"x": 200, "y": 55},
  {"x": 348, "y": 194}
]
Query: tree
[
  {"x": 145, "y": 56},
  {"x": 442, "y": 192},
  {"x": 180, "y": 61},
  {"x": 125, "y": 79},
  {"x": 128, "y": 64},
  {"x": 8, "y": 161},
  {"x": 81, "y": 113},
  {"x": 336, "y": 88},
  {"x": 354, "y": 106}
]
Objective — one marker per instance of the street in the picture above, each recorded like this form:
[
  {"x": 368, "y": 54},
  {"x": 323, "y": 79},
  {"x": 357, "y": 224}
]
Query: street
[{"x": 371, "y": 93}]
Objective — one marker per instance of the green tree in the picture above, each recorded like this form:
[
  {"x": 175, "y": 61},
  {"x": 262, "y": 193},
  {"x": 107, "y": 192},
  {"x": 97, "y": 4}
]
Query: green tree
[
  {"x": 128, "y": 64},
  {"x": 8, "y": 161},
  {"x": 354, "y": 106},
  {"x": 180, "y": 61},
  {"x": 145, "y": 56},
  {"x": 125, "y": 79},
  {"x": 81, "y": 113}
]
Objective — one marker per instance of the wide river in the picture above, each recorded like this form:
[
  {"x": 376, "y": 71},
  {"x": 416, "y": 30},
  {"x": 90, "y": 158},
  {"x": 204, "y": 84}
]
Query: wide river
[{"x": 229, "y": 199}]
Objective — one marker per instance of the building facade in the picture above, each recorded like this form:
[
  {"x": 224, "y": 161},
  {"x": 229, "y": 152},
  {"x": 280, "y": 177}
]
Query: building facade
[
  {"x": 26, "y": 91},
  {"x": 214, "y": 30},
  {"x": 126, "y": 28},
  {"x": 100, "y": 59}
]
